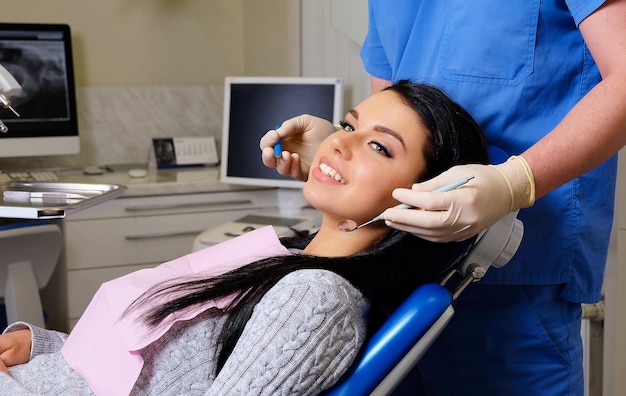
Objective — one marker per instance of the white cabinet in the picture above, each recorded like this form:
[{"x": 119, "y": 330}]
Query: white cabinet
[{"x": 126, "y": 234}]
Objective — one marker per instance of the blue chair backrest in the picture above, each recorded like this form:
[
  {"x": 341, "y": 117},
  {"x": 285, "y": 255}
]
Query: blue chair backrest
[{"x": 394, "y": 339}]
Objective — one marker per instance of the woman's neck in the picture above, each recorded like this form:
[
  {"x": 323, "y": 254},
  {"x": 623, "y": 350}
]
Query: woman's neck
[{"x": 332, "y": 242}]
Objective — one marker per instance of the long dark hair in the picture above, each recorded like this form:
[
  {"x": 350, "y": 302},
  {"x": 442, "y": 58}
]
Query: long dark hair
[
  {"x": 455, "y": 137},
  {"x": 408, "y": 261}
]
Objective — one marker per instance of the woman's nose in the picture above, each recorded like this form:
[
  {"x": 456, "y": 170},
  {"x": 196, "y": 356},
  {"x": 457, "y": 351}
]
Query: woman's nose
[{"x": 343, "y": 144}]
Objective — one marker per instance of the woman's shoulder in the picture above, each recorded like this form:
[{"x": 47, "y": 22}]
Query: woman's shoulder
[
  {"x": 312, "y": 302},
  {"x": 303, "y": 335},
  {"x": 321, "y": 283},
  {"x": 319, "y": 292}
]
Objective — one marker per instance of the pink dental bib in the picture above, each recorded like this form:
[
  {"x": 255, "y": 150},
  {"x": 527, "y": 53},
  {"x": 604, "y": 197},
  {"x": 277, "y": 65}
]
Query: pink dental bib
[{"x": 103, "y": 345}]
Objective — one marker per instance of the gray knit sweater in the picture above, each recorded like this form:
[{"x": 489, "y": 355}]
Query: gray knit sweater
[{"x": 303, "y": 335}]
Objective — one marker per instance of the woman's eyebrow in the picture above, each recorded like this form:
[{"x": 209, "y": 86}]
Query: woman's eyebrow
[
  {"x": 379, "y": 128},
  {"x": 390, "y": 132}
]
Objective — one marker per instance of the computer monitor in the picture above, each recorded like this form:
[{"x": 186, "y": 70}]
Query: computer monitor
[
  {"x": 254, "y": 105},
  {"x": 39, "y": 56}
]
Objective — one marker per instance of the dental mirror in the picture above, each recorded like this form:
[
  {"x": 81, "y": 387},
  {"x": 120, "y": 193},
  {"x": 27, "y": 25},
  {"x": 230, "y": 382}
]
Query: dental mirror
[{"x": 348, "y": 225}]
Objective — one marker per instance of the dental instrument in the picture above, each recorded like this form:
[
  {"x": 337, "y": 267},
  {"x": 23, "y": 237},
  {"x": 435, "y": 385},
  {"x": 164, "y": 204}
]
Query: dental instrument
[
  {"x": 6, "y": 103},
  {"x": 350, "y": 225}
]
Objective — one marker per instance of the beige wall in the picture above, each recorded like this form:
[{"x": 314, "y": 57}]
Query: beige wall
[
  {"x": 165, "y": 42},
  {"x": 269, "y": 39}
]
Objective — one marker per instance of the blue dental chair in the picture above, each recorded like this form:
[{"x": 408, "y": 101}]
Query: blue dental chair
[{"x": 402, "y": 340}]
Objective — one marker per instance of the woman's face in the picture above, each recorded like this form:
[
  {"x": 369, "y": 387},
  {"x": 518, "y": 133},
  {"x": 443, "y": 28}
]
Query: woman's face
[{"x": 380, "y": 148}]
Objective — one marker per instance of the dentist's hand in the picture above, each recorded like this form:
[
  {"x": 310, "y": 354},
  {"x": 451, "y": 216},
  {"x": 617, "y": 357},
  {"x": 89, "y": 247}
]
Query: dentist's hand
[
  {"x": 459, "y": 214},
  {"x": 301, "y": 136}
]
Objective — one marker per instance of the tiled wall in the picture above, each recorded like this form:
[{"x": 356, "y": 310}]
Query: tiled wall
[{"x": 116, "y": 124}]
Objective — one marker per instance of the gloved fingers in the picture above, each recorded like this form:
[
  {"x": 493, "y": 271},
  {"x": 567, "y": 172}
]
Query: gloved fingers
[
  {"x": 289, "y": 128},
  {"x": 302, "y": 135},
  {"x": 305, "y": 128},
  {"x": 268, "y": 157},
  {"x": 269, "y": 140},
  {"x": 434, "y": 225},
  {"x": 290, "y": 164},
  {"x": 315, "y": 127},
  {"x": 450, "y": 176},
  {"x": 436, "y": 201},
  {"x": 291, "y": 132},
  {"x": 465, "y": 211}
]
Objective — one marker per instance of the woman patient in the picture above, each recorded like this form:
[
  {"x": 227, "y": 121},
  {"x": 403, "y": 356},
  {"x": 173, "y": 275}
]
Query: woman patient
[{"x": 292, "y": 322}]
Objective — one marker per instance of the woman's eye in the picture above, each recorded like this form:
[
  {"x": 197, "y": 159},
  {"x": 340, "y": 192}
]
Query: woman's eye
[
  {"x": 380, "y": 148},
  {"x": 346, "y": 126}
]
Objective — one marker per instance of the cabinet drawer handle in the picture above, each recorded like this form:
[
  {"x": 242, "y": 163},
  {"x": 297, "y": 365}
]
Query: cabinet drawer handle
[
  {"x": 155, "y": 235},
  {"x": 188, "y": 205}
]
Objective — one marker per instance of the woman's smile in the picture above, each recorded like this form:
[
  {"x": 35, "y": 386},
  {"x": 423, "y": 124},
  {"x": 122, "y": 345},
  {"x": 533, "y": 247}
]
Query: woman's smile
[{"x": 327, "y": 172}]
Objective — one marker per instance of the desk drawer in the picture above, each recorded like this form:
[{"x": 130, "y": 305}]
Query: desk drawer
[
  {"x": 83, "y": 284},
  {"x": 137, "y": 240},
  {"x": 178, "y": 204}
]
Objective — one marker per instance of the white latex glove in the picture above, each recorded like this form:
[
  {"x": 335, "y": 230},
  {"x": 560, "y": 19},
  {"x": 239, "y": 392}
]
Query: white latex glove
[
  {"x": 459, "y": 214},
  {"x": 301, "y": 136}
]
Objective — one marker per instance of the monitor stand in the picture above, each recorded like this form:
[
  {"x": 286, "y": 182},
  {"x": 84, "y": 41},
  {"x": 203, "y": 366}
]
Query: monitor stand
[
  {"x": 292, "y": 213},
  {"x": 290, "y": 201}
]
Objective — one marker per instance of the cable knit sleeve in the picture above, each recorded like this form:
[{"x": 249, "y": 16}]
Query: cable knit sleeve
[
  {"x": 43, "y": 341},
  {"x": 302, "y": 336}
]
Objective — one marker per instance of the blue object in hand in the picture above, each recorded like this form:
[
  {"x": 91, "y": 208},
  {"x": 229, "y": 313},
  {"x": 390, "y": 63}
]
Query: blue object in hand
[{"x": 278, "y": 148}]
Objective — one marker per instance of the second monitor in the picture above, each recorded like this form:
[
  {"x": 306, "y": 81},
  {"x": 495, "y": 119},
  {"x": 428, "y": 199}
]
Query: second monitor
[{"x": 254, "y": 105}]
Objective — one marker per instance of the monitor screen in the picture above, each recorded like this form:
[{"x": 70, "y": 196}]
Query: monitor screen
[
  {"x": 39, "y": 56},
  {"x": 254, "y": 105}
]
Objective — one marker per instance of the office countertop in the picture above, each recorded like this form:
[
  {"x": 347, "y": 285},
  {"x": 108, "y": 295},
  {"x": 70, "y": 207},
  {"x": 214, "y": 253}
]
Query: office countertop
[
  {"x": 74, "y": 190},
  {"x": 156, "y": 181}
]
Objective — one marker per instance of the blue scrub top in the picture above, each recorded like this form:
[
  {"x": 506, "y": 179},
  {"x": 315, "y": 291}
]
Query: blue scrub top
[{"x": 518, "y": 78}]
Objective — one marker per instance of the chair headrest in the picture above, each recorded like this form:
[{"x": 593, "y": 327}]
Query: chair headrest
[{"x": 496, "y": 245}]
